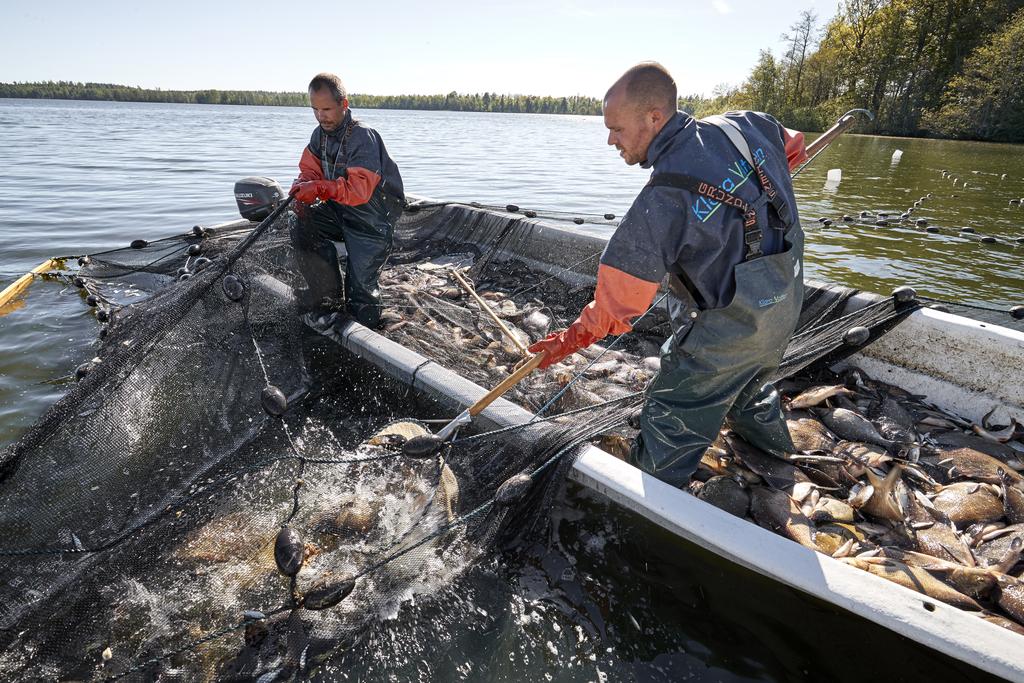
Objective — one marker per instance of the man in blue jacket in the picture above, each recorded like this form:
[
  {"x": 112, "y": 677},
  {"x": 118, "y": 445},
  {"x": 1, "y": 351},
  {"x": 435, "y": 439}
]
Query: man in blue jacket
[
  {"x": 345, "y": 168},
  {"x": 718, "y": 218}
]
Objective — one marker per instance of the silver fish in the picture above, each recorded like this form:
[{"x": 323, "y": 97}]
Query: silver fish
[{"x": 854, "y": 427}]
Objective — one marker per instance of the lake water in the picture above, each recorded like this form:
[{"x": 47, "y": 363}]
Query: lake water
[{"x": 611, "y": 598}]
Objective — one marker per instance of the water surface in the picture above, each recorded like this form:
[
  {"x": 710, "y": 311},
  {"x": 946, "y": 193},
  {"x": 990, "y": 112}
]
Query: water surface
[{"x": 610, "y": 597}]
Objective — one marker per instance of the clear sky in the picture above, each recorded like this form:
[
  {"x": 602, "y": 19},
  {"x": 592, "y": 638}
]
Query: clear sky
[{"x": 553, "y": 47}]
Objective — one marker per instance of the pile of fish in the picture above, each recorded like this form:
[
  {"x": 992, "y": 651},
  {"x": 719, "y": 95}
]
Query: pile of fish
[
  {"x": 428, "y": 312},
  {"x": 880, "y": 479},
  {"x": 889, "y": 484}
]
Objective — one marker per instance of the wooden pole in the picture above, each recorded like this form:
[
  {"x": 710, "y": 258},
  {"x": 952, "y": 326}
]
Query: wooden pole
[
  {"x": 506, "y": 384},
  {"x": 494, "y": 316},
  {"x": 22, "y": 283}
]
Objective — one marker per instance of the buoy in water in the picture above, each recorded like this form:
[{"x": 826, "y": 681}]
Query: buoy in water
[
  {"x": 78, "y": 282},
  {"x": 199, "y": 231},
  {"x": 921, "y": 223},
  {"x": 988, "y": 239},
  {"x": 289, "y": 551},
  {"x": 968, "y": 230},
  {"x": 1017, "y": 312},
  {"x": 905, "y": 216},
  {"x": 881, "y": 223},
  {"x": 822, "y": 219},
  {"x": 233, "y": 288},
  {"x": 512, "y": 208},
  {"x": 195, "y": 250},
  {"x": 92, "y": 300},
  {"x": 83, "y": 260},
  {"x": 530, "y": 214},
  {"x": 904, "y": 294},
  {"x": 1014, "y": 202},
  {"x": 931, "y": 228},
  {"x": 139, "y": 244},
  {"x": 826, "y": 222},
  {"x": 513, "y": 489},
  {"x": 577, "y": 221},
  {"x": 328, "y": 592},
  {"x": 274, "y": 401},
  {"x": 609, "y": 216},
  {"x": 847, "y": 219},
  {"x": 855, "y": 336},
  {"x": 864, "y": 214},
  {"x": 102, "y": 315}
]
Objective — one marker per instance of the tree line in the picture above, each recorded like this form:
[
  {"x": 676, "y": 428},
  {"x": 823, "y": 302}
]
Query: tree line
[
  {"x": 453, "y": 101},
  {"x": 941, "y": 68}
]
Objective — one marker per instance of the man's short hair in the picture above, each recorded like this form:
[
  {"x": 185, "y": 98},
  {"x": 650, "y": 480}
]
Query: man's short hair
[
  {"x": 332, "y": 83},
  {"x": 651, "y": 86}
]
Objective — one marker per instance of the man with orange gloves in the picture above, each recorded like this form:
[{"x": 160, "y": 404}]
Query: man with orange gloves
[
  {"x": 345, "y": 168},
  {"x": 719, "y": 219}
]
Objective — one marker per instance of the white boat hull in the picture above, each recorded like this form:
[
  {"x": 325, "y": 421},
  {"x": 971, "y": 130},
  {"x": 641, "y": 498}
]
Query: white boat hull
[{"x": 961, "y": 365}]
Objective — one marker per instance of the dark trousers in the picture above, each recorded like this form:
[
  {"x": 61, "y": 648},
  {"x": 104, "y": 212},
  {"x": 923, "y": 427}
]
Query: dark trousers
[
  {"x": 367, "y": 231},
  {"x": 718, "y": 364}
]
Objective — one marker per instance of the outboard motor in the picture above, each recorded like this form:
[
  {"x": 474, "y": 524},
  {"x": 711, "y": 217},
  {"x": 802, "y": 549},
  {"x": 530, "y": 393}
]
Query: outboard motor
[{"x": 257, "y": 197}]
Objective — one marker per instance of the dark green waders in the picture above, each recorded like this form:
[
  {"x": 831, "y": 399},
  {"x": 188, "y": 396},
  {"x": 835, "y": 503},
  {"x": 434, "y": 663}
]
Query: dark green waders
[
  {"x": 719, "y": 367},
  {"x": 367, "y": 231},
  {"x": 718, "y": 362}
]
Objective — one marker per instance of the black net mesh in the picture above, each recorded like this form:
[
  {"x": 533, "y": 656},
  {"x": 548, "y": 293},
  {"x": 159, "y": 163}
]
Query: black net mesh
[{"x": 148, "y": 519}]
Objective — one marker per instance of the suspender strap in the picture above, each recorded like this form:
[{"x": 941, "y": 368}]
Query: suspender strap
[
  {"x": 735, "y": 135},
  {"x": 751, "y": 233}
]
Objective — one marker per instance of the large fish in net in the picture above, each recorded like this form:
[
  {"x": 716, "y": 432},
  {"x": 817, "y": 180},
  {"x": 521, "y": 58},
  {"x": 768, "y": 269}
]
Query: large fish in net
[
  {"x": 208, "y": 500},
  {"x": 223, "y": 494}
]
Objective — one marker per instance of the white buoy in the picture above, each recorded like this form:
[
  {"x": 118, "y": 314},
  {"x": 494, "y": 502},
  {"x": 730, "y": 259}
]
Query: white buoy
[
  {"x": 832, "y": 179},
  {"x": 896, "y": 156}
]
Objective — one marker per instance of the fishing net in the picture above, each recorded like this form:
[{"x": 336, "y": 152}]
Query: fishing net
[{"x": 223, "y": 494}]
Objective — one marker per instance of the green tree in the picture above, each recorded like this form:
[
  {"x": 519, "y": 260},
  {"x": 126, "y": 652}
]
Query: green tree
[{"x": 986, "y": 101}]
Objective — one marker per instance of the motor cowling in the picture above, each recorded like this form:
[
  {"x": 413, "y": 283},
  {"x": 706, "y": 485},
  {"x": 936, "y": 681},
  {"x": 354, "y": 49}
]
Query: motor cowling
[{"x": 257, "y": 197}]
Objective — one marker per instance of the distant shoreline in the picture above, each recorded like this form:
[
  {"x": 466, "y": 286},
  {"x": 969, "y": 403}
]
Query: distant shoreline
[
  {"x": 453, "y": 101},
  {"x": 578, "y": 105}
]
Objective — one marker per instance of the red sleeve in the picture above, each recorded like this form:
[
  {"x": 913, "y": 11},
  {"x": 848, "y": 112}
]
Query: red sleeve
[
  {"x": 618, "y": 299},
  {"x": 796, "y": 148},
  {"x": 357, "y": 188},
  {"x": 309, "y": 167}
]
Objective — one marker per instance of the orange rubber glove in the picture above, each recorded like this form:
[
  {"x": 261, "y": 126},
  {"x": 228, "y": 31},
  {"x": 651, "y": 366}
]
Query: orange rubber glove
[
  {"x": 309, "y": 191},
  {"x": 618, "y": 298},
  {"x": 559, "y": 345}
]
